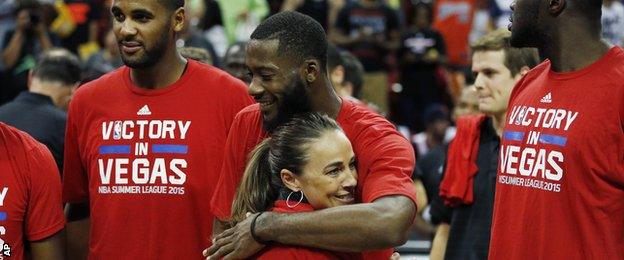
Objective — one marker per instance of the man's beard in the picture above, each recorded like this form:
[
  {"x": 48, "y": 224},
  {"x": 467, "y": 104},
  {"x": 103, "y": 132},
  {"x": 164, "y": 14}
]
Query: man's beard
[
  {"x": 294, "y": 101},
  {"x": 150, "y": 57},
  {"x": 527, "y": 35}
]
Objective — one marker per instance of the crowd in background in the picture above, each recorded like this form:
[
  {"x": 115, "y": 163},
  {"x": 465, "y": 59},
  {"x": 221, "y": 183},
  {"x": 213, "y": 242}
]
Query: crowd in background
[{"x": 414, "y": 54}]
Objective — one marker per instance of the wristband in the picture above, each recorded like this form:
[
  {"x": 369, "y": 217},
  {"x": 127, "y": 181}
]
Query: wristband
[{"x": 253, "y": 230}]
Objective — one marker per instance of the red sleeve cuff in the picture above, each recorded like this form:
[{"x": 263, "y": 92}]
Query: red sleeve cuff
[{"x": 47, "y": 232}]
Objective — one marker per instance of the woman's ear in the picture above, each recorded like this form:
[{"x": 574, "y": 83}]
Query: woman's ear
[{"x": 290, "y": 180}]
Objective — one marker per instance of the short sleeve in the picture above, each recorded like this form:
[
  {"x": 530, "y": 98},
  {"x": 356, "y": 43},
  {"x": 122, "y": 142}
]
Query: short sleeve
[
  {"x": 44, "y": 215},
  {"x": 391, "y": 164},
  {"x": 75, "y": 182},
  {"x": 231, "y": 171},
  {"x": 238, "y": 99}
]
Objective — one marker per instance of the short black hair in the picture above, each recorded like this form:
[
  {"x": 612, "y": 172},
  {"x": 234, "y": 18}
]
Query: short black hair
[
  {"x": 172, "y": 4},
  {"x": 300, "y": 36},
  {"x": 334, "y": 58},
  {"x": 354, "y": 72},
  {"x": 58, "y": 65}
]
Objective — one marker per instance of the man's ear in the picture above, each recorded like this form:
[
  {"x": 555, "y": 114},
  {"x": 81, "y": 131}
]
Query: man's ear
[
  {"x": 556, "y": 7},
  {"x": 312, "y": 70},
  {"x": 290, "y": 180},
  {"x": 178, "y": 19}
]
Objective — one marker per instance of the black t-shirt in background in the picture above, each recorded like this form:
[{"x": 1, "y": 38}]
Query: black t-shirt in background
[{"x": 469, "y": 235}]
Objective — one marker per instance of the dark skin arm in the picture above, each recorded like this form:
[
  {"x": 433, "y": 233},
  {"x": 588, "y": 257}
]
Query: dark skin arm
[
  {"x": 52, "y": 248},
  {"x": 77, "y": 229},
  {"x": 384, "y": 223}
]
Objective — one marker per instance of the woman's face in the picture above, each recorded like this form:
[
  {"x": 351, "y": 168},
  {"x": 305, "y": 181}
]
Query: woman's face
[{"x": 329, "y": 178}]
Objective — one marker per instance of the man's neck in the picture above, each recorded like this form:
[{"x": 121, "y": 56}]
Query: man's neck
[
  {"x": 574, "y": 47},
  {"x": 324, "y": 99},
  {"x": 164, "y": 73},
  {"x": 47, "y": 91}
]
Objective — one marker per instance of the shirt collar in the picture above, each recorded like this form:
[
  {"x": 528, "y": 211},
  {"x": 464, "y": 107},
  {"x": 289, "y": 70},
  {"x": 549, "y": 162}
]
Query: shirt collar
[{"x": 34, "y": 98}]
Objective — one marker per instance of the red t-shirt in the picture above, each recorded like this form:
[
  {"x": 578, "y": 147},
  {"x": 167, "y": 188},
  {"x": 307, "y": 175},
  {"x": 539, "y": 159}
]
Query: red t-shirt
[
  {"x": 560, "y": 186},
  {"x": 30, "y": 193},
  {"x": 385, "y": 158},
  {"x": 147, "y": 161}
]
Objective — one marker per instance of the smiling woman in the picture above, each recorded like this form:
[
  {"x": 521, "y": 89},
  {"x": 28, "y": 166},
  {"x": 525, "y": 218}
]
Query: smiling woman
[{"x": 307, "y": 164}]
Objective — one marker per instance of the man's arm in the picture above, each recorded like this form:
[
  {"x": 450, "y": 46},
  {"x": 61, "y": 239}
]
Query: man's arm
[
  {"x": 12, "y": 51},
  {"x": 52, "y": 248},
  {"x": 77, "y": 229},
  {"x": 383, "y": 223},
  {"x": 438, "y": 248}
]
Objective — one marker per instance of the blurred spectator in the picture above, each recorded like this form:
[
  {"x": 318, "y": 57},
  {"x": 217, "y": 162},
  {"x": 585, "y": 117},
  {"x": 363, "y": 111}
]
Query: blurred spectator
[
  {"x": 346, "y": 75},
  {"x": 40, "y": 111},
  {"x": 453, "y": 19},
  {"x": 323, "y": 11},
  {"x": 613, "y": 21},
  {"x": 335, "y": 68},
  {"x": 212, "y": 26},
  {"x": 7, "y": 17},
  {"x": 197, "y": 54},
  {"x": 482, "y": 22},
  {"x": 191, "y": 37},
  {"x": 501, "y": 12},
  {"x": 370, "y": 30},
  {"x": 86, "y": 14},
  {"x": 465, "y": 205},
  {"x": 21, "y": 47},
  {"x": 420, "y": 55},
  {"x": 106, "y": 60},
  {"x": 234, "y": 62},
  {"x": 241, "y": 17},
  {"x": 436, "y": 134},
  {"x": 353, "y": 75},
  {"x": 467, "y": 103}
]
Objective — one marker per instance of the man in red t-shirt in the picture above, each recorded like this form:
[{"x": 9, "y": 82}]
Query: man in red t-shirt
[
  {"x": 560, "y": 184},
  {"x": 30, "y": 198},
  {"x": 144, "y": 143},
  {"x": 287, "y": 60}
]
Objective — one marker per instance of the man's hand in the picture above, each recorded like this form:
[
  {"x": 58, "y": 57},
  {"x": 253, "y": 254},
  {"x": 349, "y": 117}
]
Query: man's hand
[{"x": 234, "y": 243}]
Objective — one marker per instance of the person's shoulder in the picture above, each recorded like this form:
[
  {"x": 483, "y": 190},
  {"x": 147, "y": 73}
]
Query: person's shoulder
[
  {"x": 251, "y": 112},
  {"x": 17, "y": 140},
  {"x": 101, "y": 86},
  {"x": 364, "y": 125},
  {"x": 217, "y": 79}
]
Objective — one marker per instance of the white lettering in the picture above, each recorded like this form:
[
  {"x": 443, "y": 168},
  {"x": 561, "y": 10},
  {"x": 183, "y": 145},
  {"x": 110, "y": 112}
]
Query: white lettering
[
  {"x": 119, "y": 171},
  {"x": 3, "y": 194},
  {"x": 183, "y": 128},
  {"x": 175, "y": 166},
  {"x": 105, "y": 172}
]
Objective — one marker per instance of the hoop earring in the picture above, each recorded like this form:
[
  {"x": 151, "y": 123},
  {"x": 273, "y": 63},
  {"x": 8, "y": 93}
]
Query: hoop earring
[{"x": 298, "y": 202}]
